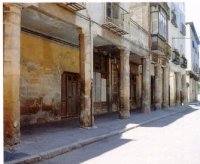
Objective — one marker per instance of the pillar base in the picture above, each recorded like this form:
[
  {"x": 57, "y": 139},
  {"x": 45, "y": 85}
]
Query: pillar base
[
  {"x": 165, "y": 106},
  {"x": 10, "y": 142},
  {"x": 178, "y": 104},
  {"x": 158, "y": 106},
  {"x": 124, "y": 115},
  {"x": 146, "y": 109},
  {"x": 86, "y": 121}
]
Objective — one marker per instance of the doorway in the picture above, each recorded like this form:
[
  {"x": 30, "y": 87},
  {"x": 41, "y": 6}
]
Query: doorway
[
  {"x": 152, "y": 92},
  {"x": 70, "y": 95}
]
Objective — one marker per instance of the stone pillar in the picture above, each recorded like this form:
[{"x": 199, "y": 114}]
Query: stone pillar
[
  {"x": 11, "y": 74},
  {"x": 124, "y": 84},
  {"x": 158, "y": 89},
  {"x": 184, "y": 90},
  {"x": 146, "y": 85},
  {"x": 86, "y": 76},
  {"x": 178, "y": 88},
  {"x": 166, "y": 87}
]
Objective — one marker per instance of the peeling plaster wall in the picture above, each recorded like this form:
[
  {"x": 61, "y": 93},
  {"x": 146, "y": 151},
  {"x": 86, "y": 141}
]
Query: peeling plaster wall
[{"x": 42, "y": 64}]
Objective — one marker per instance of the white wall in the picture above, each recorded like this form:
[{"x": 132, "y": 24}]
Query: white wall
[{"x": 174, "y": 32}]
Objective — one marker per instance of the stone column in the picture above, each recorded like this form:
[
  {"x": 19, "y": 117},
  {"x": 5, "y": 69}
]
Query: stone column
[
  {"x": 184, "y": 90},
  {"x": 178, "y": 88},
  {"x": 11, "y": 74},
  {"x": 124, "y": 84},
  {"x": 158, "y": 89},
  {"x": 86, "y": 75},
  {"x": 146, "y": 85},
  {"x": 166, "y": 87}
]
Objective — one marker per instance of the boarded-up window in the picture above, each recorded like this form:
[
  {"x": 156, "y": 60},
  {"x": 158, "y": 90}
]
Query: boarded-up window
[{"x": 100, "y": 78}]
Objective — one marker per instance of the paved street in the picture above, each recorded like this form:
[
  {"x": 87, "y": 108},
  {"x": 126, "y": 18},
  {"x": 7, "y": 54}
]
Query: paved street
[{"x": 172, "y": 140}]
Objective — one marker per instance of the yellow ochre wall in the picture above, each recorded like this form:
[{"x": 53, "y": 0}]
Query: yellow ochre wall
[{"x": 42, "y": 64}]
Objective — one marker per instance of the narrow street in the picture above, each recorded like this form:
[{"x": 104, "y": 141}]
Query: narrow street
[{"x": 172, "y": 140}]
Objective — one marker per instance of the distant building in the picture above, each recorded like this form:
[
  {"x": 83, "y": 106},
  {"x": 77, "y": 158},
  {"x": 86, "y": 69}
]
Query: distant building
[
  {"x": 178, "y": 61},
  {"x": 192, "y": 55}
]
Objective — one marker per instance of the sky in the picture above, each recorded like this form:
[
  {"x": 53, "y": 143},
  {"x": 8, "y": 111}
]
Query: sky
[{"x": 192, "y": 13}]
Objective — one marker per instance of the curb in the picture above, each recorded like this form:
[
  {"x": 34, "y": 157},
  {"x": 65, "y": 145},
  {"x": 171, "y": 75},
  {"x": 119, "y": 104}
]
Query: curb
[{"x": 64, "y": 149}]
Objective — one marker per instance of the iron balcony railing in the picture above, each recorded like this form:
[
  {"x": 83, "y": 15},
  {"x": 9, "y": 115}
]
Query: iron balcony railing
[
  {"x": 117, "y": 19},
  {"x": 160, "y": 46},
  {"x": 183, "y": 62},
  {"x": 183, "y": 29},
  {"x": 175, "y": 57},
  {"x": 76, "y": 6},
  {"x": 174, "y": 19}
]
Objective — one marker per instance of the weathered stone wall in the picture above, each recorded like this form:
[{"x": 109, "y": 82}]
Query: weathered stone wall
[
  {"x": 42, "y": 64},
  {"x": 139, "y": 12}
]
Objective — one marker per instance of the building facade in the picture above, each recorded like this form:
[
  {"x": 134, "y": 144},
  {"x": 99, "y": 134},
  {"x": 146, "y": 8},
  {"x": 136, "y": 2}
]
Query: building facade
[
  {"x": 178, "y": 61},
  {"x": 65, "y": 60},
  {"x": 192, "y": 51}
]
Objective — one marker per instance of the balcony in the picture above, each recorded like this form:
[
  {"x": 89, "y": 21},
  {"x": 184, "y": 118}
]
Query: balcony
[
  {"x": 160, "y": 47},
  {"x": 183, "y": 62},
  {"x": 183, "y": 29},
  {"x": 174, "y": 19},
  {"x": 175, "y": 57},
  {"x": 76, "y": 6},
  {"x": 116, "y": 19}
]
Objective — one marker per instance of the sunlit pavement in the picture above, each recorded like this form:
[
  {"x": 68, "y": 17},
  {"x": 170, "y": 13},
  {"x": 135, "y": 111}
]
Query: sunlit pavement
[{"x": 172, "y": 140}]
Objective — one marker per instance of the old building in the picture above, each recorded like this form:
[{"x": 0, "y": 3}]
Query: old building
[
  {"x": 67, "y": 60},
  {"x": 154, "y": 17},
  {"x": 192, "y": 55},
  {"x": 178, "y": 61}
]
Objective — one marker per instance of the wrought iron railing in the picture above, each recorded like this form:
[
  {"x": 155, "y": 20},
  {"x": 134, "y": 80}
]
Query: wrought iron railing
[
  {"x": 117, "y": 16},
  {"x": 174, "y": 19},
  {"x": 76, "y": 6},
  {"x": 176, "y": 57},
  {"x": 183, "y": 62},
  {"x": 183, "y": 29}
]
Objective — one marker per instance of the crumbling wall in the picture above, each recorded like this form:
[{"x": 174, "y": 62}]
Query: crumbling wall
[{"x": 42, "y": 64}]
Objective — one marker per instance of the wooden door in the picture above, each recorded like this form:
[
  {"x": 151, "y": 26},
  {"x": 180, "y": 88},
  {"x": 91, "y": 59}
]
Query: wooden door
[{"x": 70, "y": 95}]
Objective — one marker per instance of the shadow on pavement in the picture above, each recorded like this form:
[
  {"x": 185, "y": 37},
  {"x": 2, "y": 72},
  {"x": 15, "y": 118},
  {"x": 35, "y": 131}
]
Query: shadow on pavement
[
  {"x": 82, "y": 155},
  {"x": 40, "y": 138}
]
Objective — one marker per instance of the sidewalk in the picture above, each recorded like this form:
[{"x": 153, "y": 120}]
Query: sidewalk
[{"x": 47, "y": 141}]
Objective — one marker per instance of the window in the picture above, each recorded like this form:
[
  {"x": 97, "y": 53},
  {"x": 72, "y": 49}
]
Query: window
[
  {"x": 163, "y": 24},
  {"x": 108, "y": 9},
  {"x": 159, "y": 22},
  {"x": 112, "y": 10}
]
